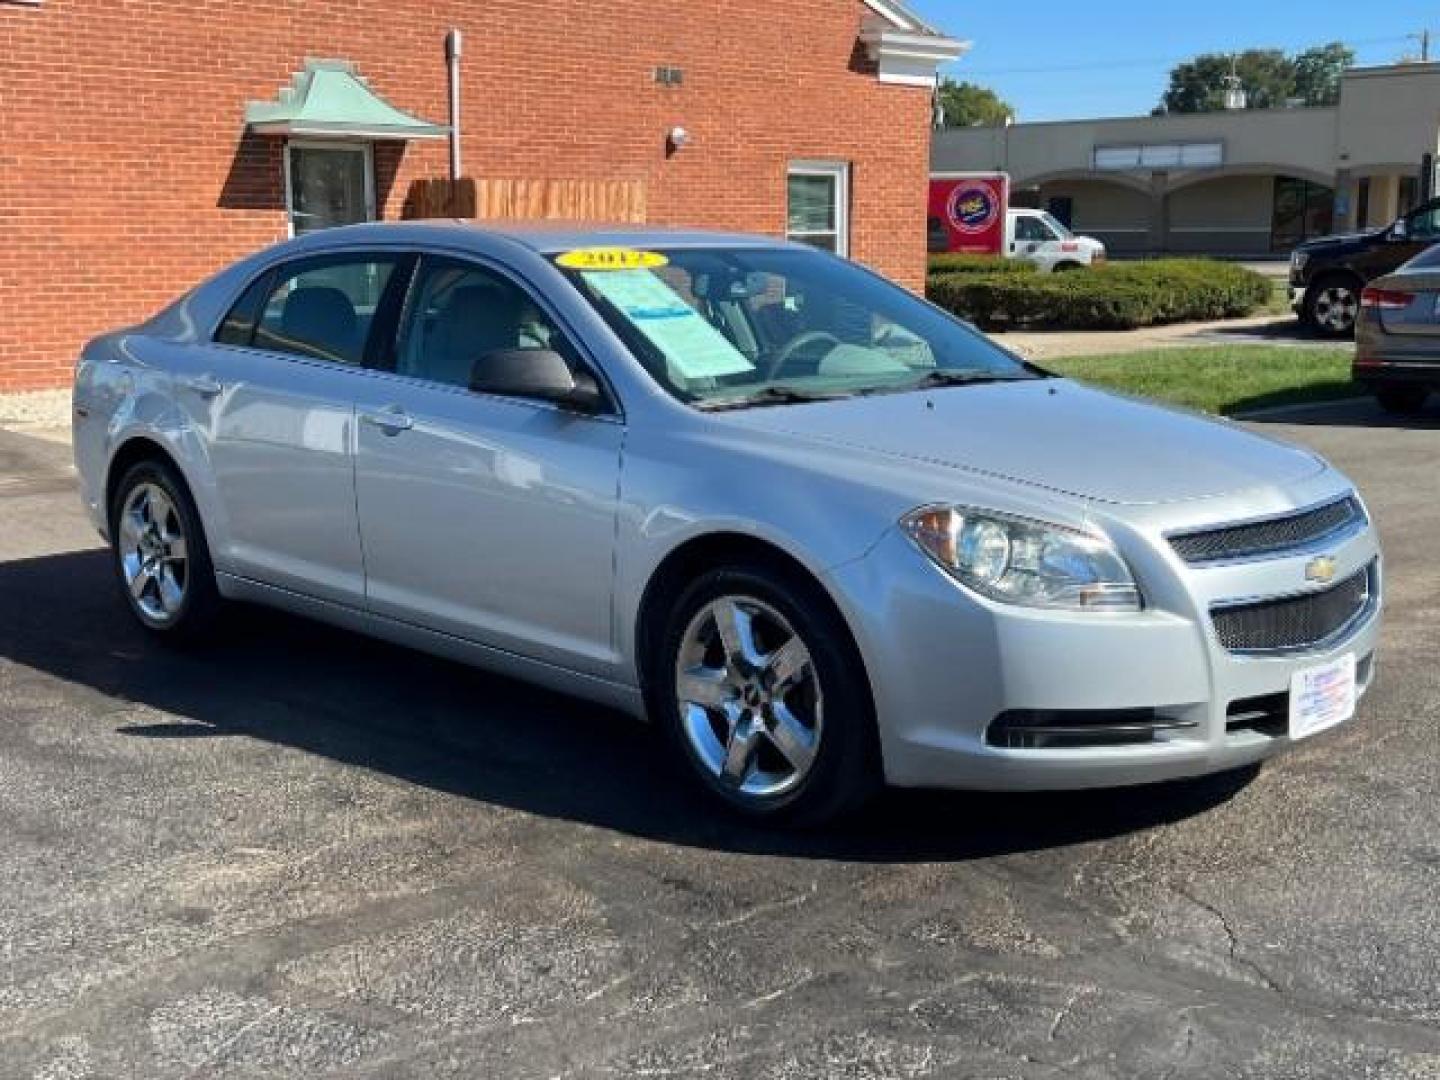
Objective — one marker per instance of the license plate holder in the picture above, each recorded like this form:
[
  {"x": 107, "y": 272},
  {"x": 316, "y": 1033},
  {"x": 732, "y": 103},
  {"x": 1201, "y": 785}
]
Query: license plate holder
[{"x": 1322, "y": 696}]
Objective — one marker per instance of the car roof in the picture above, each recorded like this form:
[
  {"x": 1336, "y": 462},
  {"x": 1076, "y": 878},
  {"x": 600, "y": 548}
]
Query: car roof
[{"x": 545, "y": 237}]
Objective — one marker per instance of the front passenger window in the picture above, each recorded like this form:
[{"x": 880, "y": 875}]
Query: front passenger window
[
  {"x": 1424, "y": 224},
  {"x": 460, "y": 312}
]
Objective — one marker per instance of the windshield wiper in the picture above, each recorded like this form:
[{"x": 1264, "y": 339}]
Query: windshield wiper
[
  {"x": 941, "y": 377},
  {"x": 770, "y": 395}
]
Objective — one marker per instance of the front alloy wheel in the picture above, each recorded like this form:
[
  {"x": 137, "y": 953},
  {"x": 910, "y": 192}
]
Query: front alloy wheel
[
  {"x": 762, "y": 692},
  {"x": 1334, "y": 305},
  {"x": 751, "y": 706}
]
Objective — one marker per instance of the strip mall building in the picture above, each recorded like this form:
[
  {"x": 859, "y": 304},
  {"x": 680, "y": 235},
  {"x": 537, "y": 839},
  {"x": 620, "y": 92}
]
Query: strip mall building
[
  {"x": 1246, "y": 183},
  {"x": 145, "y": 145}
]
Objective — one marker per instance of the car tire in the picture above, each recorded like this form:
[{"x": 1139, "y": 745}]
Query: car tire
[
  {"x": 161, "y": 558},
  {"x": 762, "y": 694},
  {"x": 1332, "y": 304},
  {"x": 1402, "y": 400},
  {"x": 1068, "y": 267}
]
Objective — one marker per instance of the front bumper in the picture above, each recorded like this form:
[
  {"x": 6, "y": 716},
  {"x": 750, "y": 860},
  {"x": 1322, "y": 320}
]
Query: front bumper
[
  {"x": 1297, "y": 297},
  {"x": 944, "y": 664}
]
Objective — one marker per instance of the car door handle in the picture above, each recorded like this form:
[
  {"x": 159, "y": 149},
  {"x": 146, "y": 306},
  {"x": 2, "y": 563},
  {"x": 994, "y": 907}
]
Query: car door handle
[
  {"x": 204, "y": 385},
  {"x": 391, "y": 421}
]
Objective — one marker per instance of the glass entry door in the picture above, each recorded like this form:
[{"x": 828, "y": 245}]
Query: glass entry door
[{"x": 328, "y": 185}]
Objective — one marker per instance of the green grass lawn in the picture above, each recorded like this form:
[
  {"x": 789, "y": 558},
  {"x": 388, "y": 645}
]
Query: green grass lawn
[{"x": 1224, "y": 379}]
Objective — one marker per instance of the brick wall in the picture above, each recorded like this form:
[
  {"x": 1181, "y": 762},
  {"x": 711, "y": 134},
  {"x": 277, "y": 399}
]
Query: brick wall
[{"x": 125, "y": 174}]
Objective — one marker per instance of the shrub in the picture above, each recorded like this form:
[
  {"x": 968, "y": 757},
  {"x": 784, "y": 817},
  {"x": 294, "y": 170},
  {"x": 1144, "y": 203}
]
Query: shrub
[
  {"x": 1119, "y": 296},
  {"x": 956, "y": 263}
]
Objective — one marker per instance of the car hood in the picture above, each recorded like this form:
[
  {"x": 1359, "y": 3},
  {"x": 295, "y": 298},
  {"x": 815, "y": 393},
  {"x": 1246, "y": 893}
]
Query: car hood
[
  {"x": 1339, "y": 242},
  {"x": 1052, "y": 434}
]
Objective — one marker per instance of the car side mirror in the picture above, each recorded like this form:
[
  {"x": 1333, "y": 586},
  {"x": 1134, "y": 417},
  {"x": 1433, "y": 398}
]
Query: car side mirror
[
  {"x": 542, "y": 374},
  {"x": 1399, "y": 230}
]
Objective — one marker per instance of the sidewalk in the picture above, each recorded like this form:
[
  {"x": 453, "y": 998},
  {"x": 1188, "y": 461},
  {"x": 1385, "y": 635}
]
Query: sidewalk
[
  {"x": 1257, "y": 330},
  {"x": 44, "y": 414}
]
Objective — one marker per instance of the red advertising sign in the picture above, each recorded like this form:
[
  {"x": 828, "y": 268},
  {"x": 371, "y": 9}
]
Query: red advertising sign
[{"x": 970, "y": 208}]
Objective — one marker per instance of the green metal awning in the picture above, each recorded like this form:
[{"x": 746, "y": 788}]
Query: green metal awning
[{"x": 330, "y": 100}]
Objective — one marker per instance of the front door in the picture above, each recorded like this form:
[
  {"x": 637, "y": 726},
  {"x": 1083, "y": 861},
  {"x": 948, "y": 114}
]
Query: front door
[
  {"x": 329, "y": 184},
  {"x": 489, "y": 518}
]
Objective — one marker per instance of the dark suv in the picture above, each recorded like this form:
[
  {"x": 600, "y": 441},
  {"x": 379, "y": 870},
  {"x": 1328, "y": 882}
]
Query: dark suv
[{"x": 1326, "y": 275}]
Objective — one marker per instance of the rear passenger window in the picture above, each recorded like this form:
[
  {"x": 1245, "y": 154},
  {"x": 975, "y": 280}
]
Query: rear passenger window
[
  {"x": 323, "y": 308},
  {"x": 239, "y": 326}
]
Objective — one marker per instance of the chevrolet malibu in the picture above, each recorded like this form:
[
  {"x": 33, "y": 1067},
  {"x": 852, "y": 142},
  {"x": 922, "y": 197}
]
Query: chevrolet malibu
[{"x": 824, "y": 535}]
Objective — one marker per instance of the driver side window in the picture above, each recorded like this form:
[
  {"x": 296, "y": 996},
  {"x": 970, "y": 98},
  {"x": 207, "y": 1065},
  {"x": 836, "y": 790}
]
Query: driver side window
[
  {"x": 1030, "y": 229},
  {"x": 459, "y": 312},
  {"x": 1423, "y": 224}
]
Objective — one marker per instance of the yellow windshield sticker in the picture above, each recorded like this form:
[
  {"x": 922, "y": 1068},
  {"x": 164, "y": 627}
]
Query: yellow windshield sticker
[{"x": 610, "y": 258}]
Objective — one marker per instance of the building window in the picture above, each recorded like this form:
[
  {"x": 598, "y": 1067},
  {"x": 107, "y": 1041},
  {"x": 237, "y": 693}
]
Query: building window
[
  {"x": 328, "y": 184},
  {"x": 1200, "y": 155},
  {"x": 818, "y": 205}
]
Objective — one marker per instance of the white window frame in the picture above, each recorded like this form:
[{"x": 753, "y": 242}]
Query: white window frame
[
  {"x": 367, "y": 149},
  {"x": 839, "y": 171}
]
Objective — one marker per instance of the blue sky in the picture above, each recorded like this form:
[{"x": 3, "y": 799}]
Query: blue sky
[{"x": 1059, "y": 59}]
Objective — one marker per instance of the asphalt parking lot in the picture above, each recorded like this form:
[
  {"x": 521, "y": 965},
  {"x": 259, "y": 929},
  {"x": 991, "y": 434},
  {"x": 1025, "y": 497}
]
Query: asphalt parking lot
[{"x": 301, "y": 853}]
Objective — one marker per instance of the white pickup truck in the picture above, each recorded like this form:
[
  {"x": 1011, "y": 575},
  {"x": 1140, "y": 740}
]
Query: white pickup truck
[{"x": 1039, "y": 237}]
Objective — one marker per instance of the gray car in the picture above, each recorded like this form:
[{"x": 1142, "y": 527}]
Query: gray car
[
  {"x": 821, "y": 533},
  {"x": 1397, "y": 335}
]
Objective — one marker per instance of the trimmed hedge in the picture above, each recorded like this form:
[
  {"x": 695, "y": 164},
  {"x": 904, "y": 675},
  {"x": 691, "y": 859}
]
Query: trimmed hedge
[
  {"x": 955, "y": 263},
  {"x": 1116, "y": 296}
]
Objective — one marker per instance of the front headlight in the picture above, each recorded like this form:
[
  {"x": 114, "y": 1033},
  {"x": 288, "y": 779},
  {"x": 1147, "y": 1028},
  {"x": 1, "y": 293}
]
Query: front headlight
[{"x": 1019, "y": 561}]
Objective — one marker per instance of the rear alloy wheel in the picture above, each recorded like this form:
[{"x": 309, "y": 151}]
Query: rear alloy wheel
[
  {"x": 1402, "y": 400},
  {"x": 161, "y": 558},
  {"x": 1332, "y": 305},
  {"x": 762, "y": 698}
]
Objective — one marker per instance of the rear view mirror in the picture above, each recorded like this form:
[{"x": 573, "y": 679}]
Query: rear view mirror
[
  {"x": 541, "y": 374},
  {"x": 719, "y": 287}
]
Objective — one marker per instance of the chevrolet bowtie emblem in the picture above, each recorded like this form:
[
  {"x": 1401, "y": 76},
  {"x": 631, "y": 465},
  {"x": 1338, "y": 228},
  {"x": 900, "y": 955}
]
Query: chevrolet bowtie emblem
[{"x": 1321, "y": 569}]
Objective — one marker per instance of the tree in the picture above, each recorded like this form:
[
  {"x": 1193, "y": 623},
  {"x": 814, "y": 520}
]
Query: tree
[
  {"x": 1318, "y": 71},
  {"x": 1198, "y": 85},
  {"x": 1269, "y": 78},
  {"x": 965, "y": 104}
]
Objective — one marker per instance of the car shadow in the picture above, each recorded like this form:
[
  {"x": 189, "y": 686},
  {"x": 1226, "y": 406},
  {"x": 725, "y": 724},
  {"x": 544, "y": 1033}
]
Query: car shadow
[
  {"x": 1357, "y": 411},
  {"x": 454, "y": 729},
  {"x": 1283, "y": 330}
]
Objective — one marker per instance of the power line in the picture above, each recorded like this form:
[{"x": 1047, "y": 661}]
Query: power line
[{"x": 1155, "y": 61}]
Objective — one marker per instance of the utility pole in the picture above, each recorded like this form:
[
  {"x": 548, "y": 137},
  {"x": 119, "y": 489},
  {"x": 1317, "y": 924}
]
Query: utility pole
[{"x": 1424, "y": 38}]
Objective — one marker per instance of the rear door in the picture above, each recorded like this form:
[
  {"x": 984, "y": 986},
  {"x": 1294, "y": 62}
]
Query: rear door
[{"x": 273, "y": 398}]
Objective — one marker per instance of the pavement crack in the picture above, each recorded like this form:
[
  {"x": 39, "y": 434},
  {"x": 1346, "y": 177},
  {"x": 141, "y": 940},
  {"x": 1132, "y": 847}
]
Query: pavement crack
[
  {"x": 1065, "y": 1010},
  {"x": 1236, "y": 956}
]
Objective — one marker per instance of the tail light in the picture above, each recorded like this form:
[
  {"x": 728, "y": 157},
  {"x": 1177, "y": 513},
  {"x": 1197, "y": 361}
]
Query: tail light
[{"x": 1386, "y": 299}]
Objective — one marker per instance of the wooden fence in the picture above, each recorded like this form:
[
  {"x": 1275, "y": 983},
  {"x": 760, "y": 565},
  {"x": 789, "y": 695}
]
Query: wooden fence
[{"x": 499, "y": 199}]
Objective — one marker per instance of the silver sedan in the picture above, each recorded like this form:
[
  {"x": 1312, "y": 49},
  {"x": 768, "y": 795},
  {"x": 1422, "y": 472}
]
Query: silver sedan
[{"x": 822, "y": 534}]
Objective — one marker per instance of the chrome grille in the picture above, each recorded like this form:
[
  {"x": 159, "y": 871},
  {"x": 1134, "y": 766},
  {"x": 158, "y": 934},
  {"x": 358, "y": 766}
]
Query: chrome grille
[
  {"x": 1295, "y": 622},
  {"x": 1268, "y": 537}
]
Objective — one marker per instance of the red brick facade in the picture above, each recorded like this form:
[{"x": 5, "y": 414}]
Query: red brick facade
[{"x": 126, "y": 174}]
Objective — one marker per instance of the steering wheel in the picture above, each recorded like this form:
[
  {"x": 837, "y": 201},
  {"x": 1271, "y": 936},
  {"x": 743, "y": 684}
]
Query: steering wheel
[{"x": 801, "y": 341}]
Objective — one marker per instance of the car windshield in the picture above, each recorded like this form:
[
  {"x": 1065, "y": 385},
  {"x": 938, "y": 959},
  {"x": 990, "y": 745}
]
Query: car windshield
[
  {"x": 748, "y": 326},
  {"x": 1061, "y": 229}
]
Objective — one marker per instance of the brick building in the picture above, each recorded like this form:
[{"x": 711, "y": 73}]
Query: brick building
[{"x": 145, "y": 144}]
